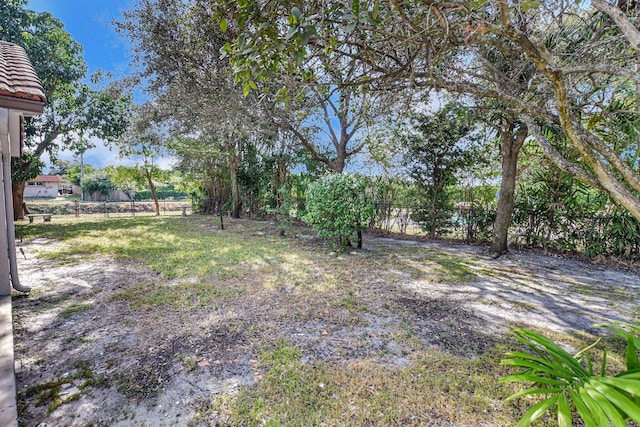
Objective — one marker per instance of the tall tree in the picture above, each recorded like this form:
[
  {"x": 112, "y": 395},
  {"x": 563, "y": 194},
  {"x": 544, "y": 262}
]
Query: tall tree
[
  {"x": 75, "y": 112},
  {"x": 177, "y": 47},
  {"x": 439, "y": 146},
  {"x": 144, "y": 141}
]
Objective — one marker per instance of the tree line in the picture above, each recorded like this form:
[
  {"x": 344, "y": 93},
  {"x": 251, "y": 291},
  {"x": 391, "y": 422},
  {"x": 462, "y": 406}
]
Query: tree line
[{"x": 535, "y": 100}]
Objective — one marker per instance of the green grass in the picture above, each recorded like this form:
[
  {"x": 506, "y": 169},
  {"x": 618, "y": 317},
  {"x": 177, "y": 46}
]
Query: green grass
[
  {"x": 172, "y": 246},
  {"x": 197, "y": 266},
  {"x": 184, "y": 247},
  {"x": 50, "y": 392},
  {"x": 367, "y": 393},
  {"x": 181, "y": 296},
  {"x": 74, "y": 309}
]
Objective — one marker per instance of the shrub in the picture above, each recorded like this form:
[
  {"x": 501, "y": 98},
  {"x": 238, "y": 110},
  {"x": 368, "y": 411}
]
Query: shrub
[
  {"x": 570, "y": 387},
  {"x": 337, "y": 207}
]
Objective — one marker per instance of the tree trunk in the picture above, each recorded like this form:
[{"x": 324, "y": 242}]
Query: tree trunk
[
  {"x": 510, "y": 146},
  {"x": 152, "y": 187},
  {"x": 17, "y": 188},
  {"x": 235, "y": 190}
]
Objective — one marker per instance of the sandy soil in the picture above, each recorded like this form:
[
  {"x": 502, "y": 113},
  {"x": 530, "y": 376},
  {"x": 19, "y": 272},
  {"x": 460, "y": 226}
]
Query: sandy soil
[{"x": 119, "y": 366}]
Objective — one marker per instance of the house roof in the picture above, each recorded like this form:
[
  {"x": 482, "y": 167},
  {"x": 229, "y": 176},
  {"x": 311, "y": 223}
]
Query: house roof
[
  {"x": 49, "y": 178},
  {"x": 20, "y": 88}
]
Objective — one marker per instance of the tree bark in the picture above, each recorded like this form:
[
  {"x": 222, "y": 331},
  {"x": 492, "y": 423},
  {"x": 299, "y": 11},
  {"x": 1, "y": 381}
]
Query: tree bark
[
  {"x": 510, "y": 146},
  {"x": 235, "y": 190},
  {"x": 152, "y": 187},
  {"x": 17, "y": 189}
]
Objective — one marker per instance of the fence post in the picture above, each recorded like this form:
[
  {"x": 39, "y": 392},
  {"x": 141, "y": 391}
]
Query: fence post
[
  {"x": 106, "y": 212},
  {"x": 77, "y": 208},
  {"x": 133, "y": 207}
]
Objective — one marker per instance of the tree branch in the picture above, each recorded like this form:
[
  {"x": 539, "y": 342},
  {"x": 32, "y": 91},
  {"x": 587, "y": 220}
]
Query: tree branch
[
  {"x": 556, "y": 157},
  {"x": 622, "y": 21}
]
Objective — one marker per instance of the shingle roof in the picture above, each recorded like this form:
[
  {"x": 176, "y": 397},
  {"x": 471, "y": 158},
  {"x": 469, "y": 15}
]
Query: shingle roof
[{"x": 20, "y": 87}]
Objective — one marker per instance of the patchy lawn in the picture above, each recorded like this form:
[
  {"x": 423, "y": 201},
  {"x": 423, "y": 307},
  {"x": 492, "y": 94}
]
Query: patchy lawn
[{"x": 173, "y": 321}]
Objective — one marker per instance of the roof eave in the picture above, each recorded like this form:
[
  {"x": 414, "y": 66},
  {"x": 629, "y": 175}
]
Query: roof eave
[{"x": 27, "y": 106}]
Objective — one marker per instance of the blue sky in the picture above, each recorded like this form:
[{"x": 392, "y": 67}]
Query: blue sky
[{"x": 89, "y": 23}]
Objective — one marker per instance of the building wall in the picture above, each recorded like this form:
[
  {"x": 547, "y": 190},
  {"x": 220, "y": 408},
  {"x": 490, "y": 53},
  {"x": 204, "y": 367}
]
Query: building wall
[
  {"x": 114, "y": 196},
  {"x": 41, "y": 190}
]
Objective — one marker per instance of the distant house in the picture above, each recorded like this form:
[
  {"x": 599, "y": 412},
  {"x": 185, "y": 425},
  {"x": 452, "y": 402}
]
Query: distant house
[{"x": 45, "y": 186}]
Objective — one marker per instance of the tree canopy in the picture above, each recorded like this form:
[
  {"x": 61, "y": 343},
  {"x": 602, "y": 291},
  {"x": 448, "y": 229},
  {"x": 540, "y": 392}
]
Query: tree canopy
[
  {"x": 580, "y": 61},
  {"x": 75, "y": 112}
]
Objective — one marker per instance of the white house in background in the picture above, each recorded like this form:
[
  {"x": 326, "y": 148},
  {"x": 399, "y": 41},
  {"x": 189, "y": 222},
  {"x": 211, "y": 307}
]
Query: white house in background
[{"x": 44, "y": 186}]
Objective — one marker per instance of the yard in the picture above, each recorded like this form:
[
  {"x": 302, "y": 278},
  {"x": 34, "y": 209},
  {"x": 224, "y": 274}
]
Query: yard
[{"x": 170, "y": 320}]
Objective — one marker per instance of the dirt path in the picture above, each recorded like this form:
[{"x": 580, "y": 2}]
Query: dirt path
[
  {"x": 118, "y": 365},
  {"x": 536, "y": 290}
]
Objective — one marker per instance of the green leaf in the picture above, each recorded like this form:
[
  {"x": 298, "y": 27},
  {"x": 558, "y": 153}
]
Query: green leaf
[
  {"x": 527, "y": 356},
  {"x": 223, "y": 25},
  {"x": 624, "y": 334},
  {"x": 529, "y": 338},
  {"x": 355, "y": 7},
  {"x": 376, "y": 11},
  {"x": 581, "y": 409},
  {"x": 537, "y": 411},
  {"x": 299, "y": 56},
  {"x": 533, "y": 391},
  {"x": 296, "y": 13},
  {"x": 630, "y": 374},
  {"x": 599, "y": 417},
  {"x": 632, "y": 354},
  {"x": 631, "y": 386},
  {"x": 306, "y": 36},
  {"x": 564, "y": 411},
  {"x": 556, "y": 371},
  {"x": 605, "y": 404},
  {"x": 622, "y": 402},
  {"x": 292, "y": 31},
  {"x": 532, "y": 378}
]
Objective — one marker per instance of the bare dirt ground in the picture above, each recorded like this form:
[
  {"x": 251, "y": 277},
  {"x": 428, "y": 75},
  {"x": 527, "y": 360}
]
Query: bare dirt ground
[{"x": 118, "y": 365}]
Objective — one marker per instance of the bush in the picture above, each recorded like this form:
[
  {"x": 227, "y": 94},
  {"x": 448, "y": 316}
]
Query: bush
[
  {"x": 571, "y": 388},
  {"x": 337, "y": 207}
]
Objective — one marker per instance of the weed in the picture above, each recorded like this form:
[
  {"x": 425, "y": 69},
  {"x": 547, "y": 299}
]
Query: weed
[
  {"x": 348, "y": 303},
  {"x": 75, "y": 308},
  {"x": 189, "y": 362},
  {"x": 51, "y": 391}
]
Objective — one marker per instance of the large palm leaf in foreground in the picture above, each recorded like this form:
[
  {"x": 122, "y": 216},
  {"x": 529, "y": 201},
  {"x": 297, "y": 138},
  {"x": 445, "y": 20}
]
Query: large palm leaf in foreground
[{"x": 570, "y": 385}]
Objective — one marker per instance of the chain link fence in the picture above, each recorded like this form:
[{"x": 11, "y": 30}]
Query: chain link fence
[
  {"x": 109, "y": 209},
  {"x": 607, "y": 235}
]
